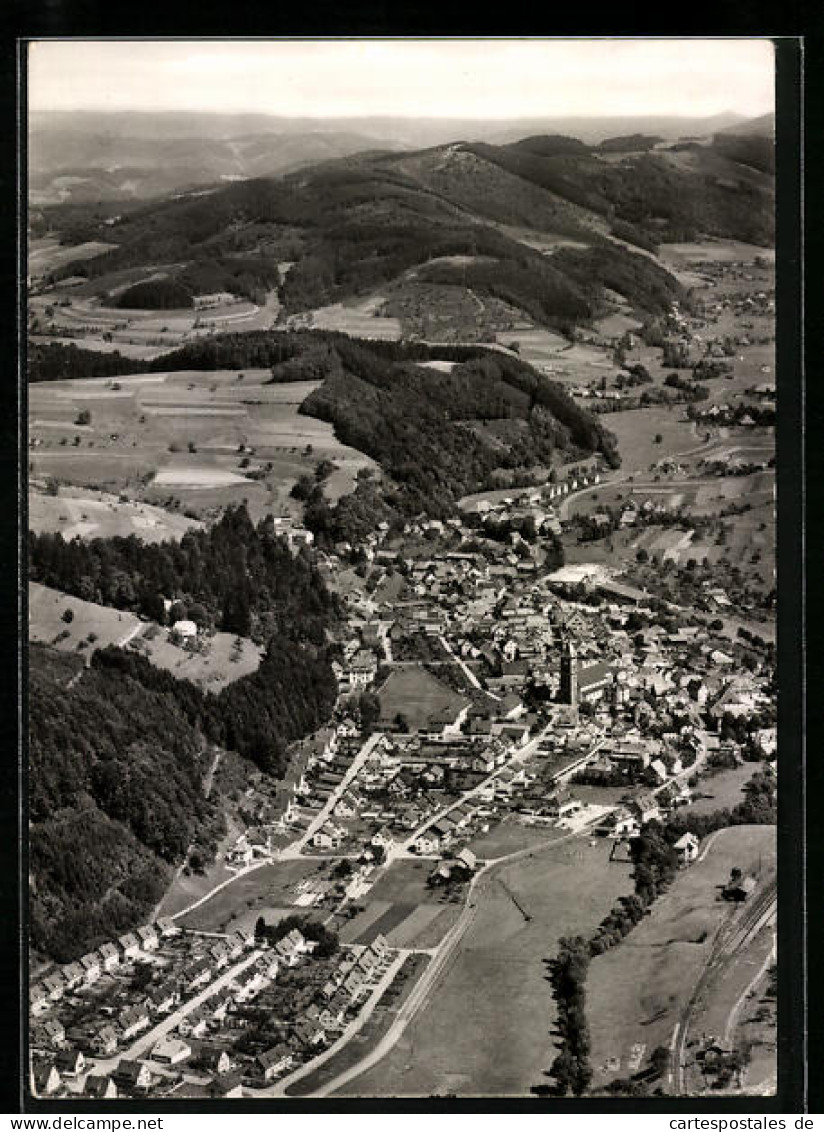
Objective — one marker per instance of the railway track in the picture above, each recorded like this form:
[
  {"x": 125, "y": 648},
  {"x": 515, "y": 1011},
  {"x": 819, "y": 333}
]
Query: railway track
[{"x": 734, "y": 934}]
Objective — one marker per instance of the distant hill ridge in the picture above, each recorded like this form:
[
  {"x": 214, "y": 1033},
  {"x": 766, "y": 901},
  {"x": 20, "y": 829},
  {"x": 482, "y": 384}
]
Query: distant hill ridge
[
  {"x": 352, "y": 225},
  {"x": 134, "y": 156}
]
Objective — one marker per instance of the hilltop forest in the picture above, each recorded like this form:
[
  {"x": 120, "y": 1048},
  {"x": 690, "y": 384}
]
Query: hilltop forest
[
  {"x": 116, "y": 764},
  {"x": 115, "y": 798},
  {"x": 233, "y": 576},
  {"x": 118, "y": 755},
  {"x": 351, "y": 226}
]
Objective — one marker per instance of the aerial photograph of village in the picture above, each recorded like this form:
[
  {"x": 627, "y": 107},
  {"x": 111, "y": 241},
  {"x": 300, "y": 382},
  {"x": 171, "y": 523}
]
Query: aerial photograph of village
[{"x": 401, "y": 569}]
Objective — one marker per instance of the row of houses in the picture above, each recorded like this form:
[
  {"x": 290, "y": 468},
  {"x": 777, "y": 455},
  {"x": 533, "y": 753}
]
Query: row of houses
[
  {"x": 348, "y": 983},
  {"x": 106, "y": 958}
]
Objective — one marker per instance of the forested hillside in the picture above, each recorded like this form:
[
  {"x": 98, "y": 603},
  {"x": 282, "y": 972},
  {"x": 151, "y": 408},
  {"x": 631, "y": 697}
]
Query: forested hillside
[
  {"x": 234, "y": 576},
  {"x": 116, "y": 764},
  {"x": 115, "y": 797},
  {"x": 352, "y": 226},
  {"x": 676, "y": 194},
  {"x": 254, "y": 349},
  {"x": 291, "y": 694},
  {"x": 439, "y": 436},
  {"x": 59, "y": 361}
]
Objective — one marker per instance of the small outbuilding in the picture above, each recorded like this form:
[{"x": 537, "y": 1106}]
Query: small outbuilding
[{"x": 740, "y": 890}]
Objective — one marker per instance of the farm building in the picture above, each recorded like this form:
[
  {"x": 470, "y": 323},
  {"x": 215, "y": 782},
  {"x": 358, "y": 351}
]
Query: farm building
[{"x": 740, "y": 890}]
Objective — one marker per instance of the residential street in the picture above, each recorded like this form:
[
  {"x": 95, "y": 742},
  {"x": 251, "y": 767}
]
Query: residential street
[{"x": 143, "y": 1045}]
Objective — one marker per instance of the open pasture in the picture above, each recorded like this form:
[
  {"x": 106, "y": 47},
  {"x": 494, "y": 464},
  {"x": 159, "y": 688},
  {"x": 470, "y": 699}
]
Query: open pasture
[
  {"x": 94, "y": 467},
  {"x": 402, "y": 908},
  {"x": 552, "y": 354},
  {"x": 268, "y": 891},
  {"x": 404, "y": 882},
  {"x": 496, "y": 982},
  {"x": 404, "y": 925},
  {"x": 196, "y": 476},
  {"x": 617, "y": 323},
  {"x": 417, "y": 695},
  {"x": 636, "y": 431},
  {"x": 187, "y": 439},
  {"x": 107, "y": 626},
  {"x": 212, "y": 663},
  {"x": 636, "y": 990},
  {"x": 46, "y": 253},
  {"x": 721, "y": 791},
  {"x": 540, "y": 241},
  {"x": 714, "y": 251},
  {"x": 352, "y": 929},
  {"x": 358, "y": 318},
  {"x": 98, "y": 515},
  {"x": 394, "y": 915},
  {"x": 86, "y": 319},
  {"x": 510, "y": 836},
  {"x": 139, "y": 350}
]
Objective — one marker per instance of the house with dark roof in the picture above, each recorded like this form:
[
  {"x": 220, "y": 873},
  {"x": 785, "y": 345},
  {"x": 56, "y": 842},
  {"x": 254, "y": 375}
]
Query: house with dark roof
[
  {"x": 53, "y": 1031},
  {"x": 91, "y": 964},
  {"x": 100, "y": 1087},
  {"x": 646, "y": 807},
  {"x": 73, "y": 974},
  {"x": 561, "y": 805},
  {"x": 148, "y": 937},
  {"x": 197, "y": 973},
  {"x": 132, "y": 1076},
  {"x": 164, "y": 997},
  {"x": 45, "y": 1079},
  {"x": 109, "y": 955},
  {"x": 353, "y": 983},
  {"x": 70, "y": 1062},
  {"x": 227, "y": 1086},
  {"x": 339, "y": 1005},
  {"x": 133, "y": 1021},
  {"x": 55, "y": 984},
  {"x": 129, "y": 945},
  {"x": 379, "y": 946},
  {"x": 366, "y": 962},
  {"x": 166, "y": 927},
  {"x": 171, "y": 1051},
  {"x": 273, "y": 1062},
  {"x": 214, "y": 1059},
  {"x": 38, "y": 998},
  {"x": 594, "y": 680},
  {"x": 309, "y": 1033},
  {"x": 219, "y": 954}
]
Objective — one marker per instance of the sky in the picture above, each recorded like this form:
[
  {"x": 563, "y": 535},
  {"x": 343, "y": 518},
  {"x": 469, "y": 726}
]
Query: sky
[{"x": 500, "y": 78}]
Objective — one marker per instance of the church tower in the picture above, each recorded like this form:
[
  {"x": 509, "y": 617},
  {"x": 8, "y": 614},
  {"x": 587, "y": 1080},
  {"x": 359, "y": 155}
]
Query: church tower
[{"x": 569, "y": 673}]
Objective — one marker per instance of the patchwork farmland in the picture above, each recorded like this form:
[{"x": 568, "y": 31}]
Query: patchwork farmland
[{"x": 190, "y": 441}]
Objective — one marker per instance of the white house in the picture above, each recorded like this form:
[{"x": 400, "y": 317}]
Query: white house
[
  {"x": 427, "y": 843},
  {"x": 687, "y": 849},
  {"x": 170, "y": 1051}
]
